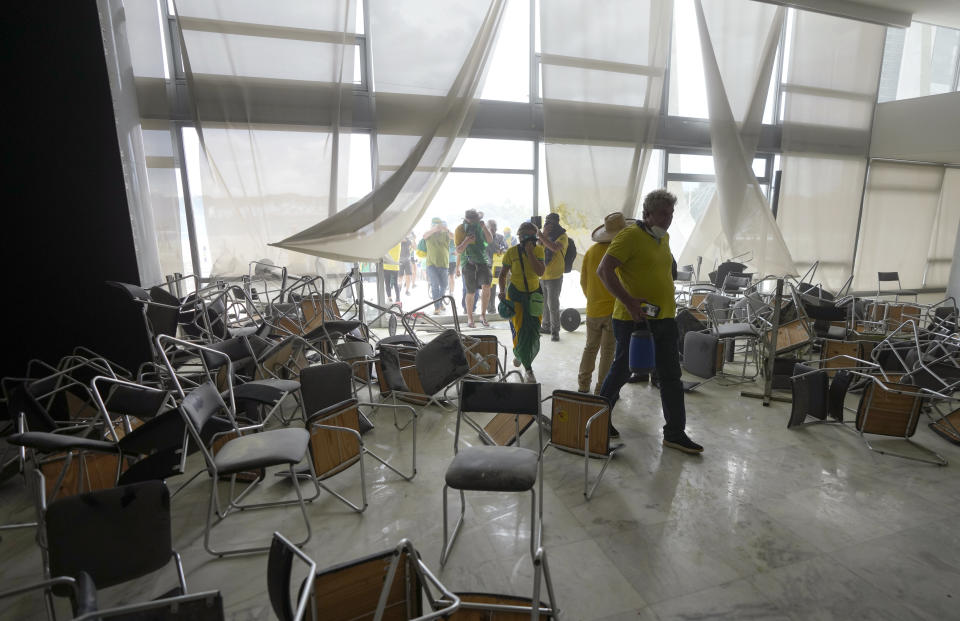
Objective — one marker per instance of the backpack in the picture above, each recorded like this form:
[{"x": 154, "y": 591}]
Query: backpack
[{"x": 569, "y": 256}]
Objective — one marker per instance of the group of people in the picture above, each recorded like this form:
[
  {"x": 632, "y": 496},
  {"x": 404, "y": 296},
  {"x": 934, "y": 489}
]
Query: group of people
[{"x": 627, "y": 278}]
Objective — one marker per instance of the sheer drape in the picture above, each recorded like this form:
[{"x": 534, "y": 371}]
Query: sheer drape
[
  {"x": 738, "y": 41},
  {"x": 427, "y": 73},
  {"x": 829, "y": 91},
  {"x": 270, "y": 85},
  {"x": 603, "y": 69},
  {"x": 905, "y": 212},
  {"x": 944, "y": 236}
]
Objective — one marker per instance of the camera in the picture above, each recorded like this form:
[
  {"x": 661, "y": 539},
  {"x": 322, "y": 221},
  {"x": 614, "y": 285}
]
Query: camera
[{"x": 529, "y": 239}]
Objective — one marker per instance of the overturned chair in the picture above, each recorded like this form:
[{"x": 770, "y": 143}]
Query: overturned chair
[
  {"x": 580, "y": 424},
  {"x": 392, "y": 584}
]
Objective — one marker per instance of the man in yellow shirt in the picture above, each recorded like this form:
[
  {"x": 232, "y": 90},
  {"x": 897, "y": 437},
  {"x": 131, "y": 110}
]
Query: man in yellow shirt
[
  {"x": 599, "y": 304},
  {"x": 553, "y": 237},
  {"x": 637, "y": 270}
]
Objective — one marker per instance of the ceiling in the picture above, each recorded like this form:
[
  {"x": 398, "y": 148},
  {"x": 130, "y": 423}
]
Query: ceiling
[{"x": 887, "y": 12}]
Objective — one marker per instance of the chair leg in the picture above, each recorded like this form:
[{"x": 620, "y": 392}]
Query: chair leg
[
  {"x": 936, "y": 459},
  {"x": 448, "y": 543}
]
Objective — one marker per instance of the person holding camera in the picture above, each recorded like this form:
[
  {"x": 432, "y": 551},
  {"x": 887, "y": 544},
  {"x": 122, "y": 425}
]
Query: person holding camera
[
  {"x": 637, "y": 270},
  {"x": 437, "y": 245},
  {"x": 471, "y": 238},
  {"x": 523, "y": 264},
  {"x": 555, "y": 242}
]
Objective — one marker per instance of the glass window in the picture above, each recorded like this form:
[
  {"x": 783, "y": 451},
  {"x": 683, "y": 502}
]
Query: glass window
[
  {"x": 919, "y": 61},
  {"x": 508, "y": 78},
  {"x": 688, "y": 93},
  {"x": 506, "y": 198},
  {"x": 493, "y": 153},
  {"x": 355, "y": 161},
  {"x": 692, "y": 200},
  {"x": 689, "y": 164}
]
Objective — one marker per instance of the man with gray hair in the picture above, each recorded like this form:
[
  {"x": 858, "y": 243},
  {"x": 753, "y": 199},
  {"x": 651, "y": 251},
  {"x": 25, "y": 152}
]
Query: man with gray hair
[{"x": 637, "y": 270}]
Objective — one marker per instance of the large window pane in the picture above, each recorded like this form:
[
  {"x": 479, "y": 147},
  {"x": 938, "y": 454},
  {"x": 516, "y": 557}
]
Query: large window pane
[
  {"x": 688, "y": 93},
  {"x": 692, "y": 200},
  {"x": 919, "y": 61},
  {"x": 690, "y": 164},
  {"x": 506, "y": 198},
  {"x": 508, "y": 78},
  {"x": 491, "y": 153}
]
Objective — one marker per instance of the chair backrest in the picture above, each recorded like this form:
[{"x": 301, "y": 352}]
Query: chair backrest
[
  {"x": 888, "y": 277},
  {"x": 115, "y": 535},
  {"x": 500, "y": 397},
  {"x": 683, "y": 276},
  {"x": 390, "y": 369},
  {"x": 810, "y": 390},
  {"x": 889, "y": 409},
  {"x": 354, "y": 350},
  {"x": 441, "y": 361},
  {"x": 279, "y": 579},
  {"x": 701, "y": 354},
  {"x": 838, "y": 393},
  {"x": 323, "y": 385},
  {"x": 164, "y": 315},
  {"x": 236, "y": 348},
  {"x": 715, "y": 302},
  {"x": 353, "y": 590},
  {"x": 128, "y": 398},
  {"x": 571, "y": 413},
  {"x": 200, "y": 405}
]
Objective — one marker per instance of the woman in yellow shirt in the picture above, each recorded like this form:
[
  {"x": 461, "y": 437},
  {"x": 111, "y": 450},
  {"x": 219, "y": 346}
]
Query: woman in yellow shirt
[{"x": 523, "y": 265}]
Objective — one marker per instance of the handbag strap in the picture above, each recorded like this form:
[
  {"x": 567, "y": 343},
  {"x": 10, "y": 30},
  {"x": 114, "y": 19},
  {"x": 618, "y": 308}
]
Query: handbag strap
[{"x": 523, "y": 270}]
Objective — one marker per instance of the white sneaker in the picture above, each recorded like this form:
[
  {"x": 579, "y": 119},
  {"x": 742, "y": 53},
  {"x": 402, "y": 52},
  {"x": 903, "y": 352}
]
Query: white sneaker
[{"x": 530, "y": 378}]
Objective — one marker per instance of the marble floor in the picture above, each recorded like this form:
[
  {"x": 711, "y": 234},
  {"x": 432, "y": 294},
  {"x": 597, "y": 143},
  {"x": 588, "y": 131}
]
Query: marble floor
[{"x": 768, "y": 523}]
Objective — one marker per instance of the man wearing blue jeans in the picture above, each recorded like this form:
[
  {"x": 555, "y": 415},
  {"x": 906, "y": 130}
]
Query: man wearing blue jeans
[
  {"x": 637, "y": 270},
  {"x": 437, "y": 241}
]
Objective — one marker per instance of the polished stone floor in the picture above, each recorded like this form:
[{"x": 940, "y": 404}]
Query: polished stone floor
[{"x": 768, "y": 523}]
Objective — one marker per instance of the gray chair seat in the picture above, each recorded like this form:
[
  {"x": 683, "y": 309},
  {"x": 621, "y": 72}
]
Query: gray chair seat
[
  {"x": 55, "y": 442},
  {"x": 265, "y": 390},
  {"x": 731, "y": 330},
  {"x": 493, "y": 469},
  {"x": 258, "y": 450}
]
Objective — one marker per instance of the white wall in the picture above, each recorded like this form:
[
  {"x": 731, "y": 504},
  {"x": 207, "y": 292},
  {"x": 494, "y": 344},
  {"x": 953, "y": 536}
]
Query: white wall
[{"x": 925, "y": 129}]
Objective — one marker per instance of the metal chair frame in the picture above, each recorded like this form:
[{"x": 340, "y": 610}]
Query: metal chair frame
[
  {"x": 536, "y": 509},
  {"x": 234, "y": 503},
  {"x": 607, "y": 458}
]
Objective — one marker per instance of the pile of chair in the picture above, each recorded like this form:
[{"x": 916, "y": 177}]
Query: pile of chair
[{"x": 255, "y": 380}]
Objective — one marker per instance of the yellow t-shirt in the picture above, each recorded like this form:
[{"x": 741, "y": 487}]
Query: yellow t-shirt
[
  {"x": 511, "y": 259},
  {"x": 599, "y": 300},
  {"x": 392, "y": 265},
  {"x": 555, "y": 267},
  {"x": 645, "y": 270}
]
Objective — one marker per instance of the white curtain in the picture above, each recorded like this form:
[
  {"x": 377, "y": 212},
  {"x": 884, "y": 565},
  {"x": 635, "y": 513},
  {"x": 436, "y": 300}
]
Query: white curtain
[
  {"x": 829, "y": 91},
  {"x": 943, "y": 239},
  {"x": 901, "y": 213},
  {"x": 738, "y": 41},
  {"x": 429, "y": 58},
  {"x": 271, "y": 85},
  {"x": 603, "y": 69}
]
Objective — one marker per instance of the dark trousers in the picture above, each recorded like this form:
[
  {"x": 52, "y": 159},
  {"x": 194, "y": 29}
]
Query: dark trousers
[
  {"x": 665, "y": 337},
  {"x": 392, "y": 282}
]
